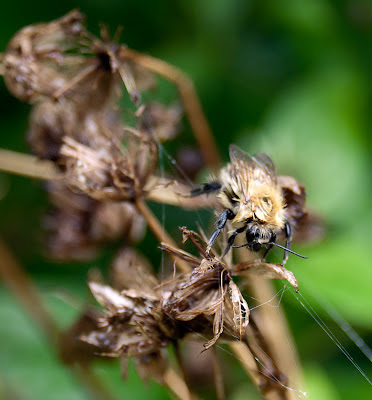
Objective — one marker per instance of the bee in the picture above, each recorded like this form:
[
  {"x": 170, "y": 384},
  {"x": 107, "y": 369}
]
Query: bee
[{"x": 254, "y": 199}]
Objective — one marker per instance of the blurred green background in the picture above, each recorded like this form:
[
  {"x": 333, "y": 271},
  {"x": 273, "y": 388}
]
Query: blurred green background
[{"x": 292, "y": 78}]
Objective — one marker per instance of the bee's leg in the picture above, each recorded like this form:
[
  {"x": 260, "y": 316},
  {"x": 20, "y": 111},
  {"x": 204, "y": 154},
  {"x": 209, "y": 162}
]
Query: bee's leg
[
  {"x": 288, "y": 235},
  {"x": 220, "y": 223},
  {"x": 206, "y": 188},
  {"x": 231, "y": 239}
]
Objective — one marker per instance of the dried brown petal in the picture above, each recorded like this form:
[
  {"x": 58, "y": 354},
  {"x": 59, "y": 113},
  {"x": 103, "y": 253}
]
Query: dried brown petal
[
  {"x": 240, "y": 309},
  {"x": 110, "y": 298},
  {"x": 265, "y": 270},
  {"x": 130, "y": 270}
]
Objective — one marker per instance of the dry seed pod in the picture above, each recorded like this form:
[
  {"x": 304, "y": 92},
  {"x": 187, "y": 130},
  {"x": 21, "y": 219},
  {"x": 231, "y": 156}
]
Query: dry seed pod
[
  {"x": 111, "y": 172},
  {"x": 165, "y": 121},
  {"x": 73, "y": 350},
  {"x": 78, "y": 226},
  {"x": 49, "y": 122},
  {"x": 130, "y": 270},
  {"x": 100, "y": 73},
  {"x": 133, "y": 324},
  {"x": 35, "y": 57},
  {"x": 208, "y": 291}
]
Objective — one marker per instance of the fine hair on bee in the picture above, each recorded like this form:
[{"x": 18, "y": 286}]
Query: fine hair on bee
[{"x": 252, "y": 198}]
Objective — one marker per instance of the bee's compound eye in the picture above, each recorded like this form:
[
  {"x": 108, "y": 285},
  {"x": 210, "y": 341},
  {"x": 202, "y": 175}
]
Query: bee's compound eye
[
  {"x": 257, "y": 247},
  {"x": 250, "y": 236}
]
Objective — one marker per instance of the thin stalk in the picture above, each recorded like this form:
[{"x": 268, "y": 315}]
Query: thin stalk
[
  {"x": 158, "y": 189},
  {"x": 177, "y": 385},
  {"x": 27, "y": 165},
  {"x": 274, "y": 330},
  {"x": 160, "y": 233},
  {"x": 28, "y": 296},
  {"x": 273, "y": 325},
  {"x": 218, "y": 376},
  {"x": 190, "y": 100}
]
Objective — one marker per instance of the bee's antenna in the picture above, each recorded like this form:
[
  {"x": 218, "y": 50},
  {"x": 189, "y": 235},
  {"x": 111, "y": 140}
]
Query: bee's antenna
[
  {"x": 275, "y": 244},
  {"x": 291, "y": 251}
]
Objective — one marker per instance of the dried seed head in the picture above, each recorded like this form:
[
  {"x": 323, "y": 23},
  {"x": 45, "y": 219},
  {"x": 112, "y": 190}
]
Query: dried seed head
[
  {"x": 78, "y": 226},
  {"x": 133, "y": 324},
  {"x": 49, "y": 122},
  {"x": 165, "y": 121},
  {"x": 35, "y": 57},
  {"x": 110, "y": 172},
  {"x": 208, "y": 291},
  {"x": 130, "y": 270}
]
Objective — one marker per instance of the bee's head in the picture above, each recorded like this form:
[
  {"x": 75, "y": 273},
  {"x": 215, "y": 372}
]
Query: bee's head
[
  {"x": 242, "y": 210},
  {"x": 257, "y": 235}
]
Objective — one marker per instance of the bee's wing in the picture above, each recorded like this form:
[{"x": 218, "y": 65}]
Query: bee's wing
[
  {"x": 266, "y": 164},
  {"x": 245, "y": 165},
  {"x": 242, "y": 164},
  {"x": 308, "y": 226}
]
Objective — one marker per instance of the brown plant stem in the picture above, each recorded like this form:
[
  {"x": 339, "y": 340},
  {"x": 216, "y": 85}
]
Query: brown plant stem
[
  {"x": 274, "y": 331},
  {"x": 27, "y": 165},
  {"x": 218, "y": 376},
  {"x": 159, "y": 232},
  {"x": 158, "y": 189},
  {"x": 274, "y": 328},
  {"x": 190, "y": 100},
  {"x": 272, "y": 382},
  {"x": 247, "y": 361},
  {"x": 177, "y": 385},
  {"x": 27, "y": 294}
]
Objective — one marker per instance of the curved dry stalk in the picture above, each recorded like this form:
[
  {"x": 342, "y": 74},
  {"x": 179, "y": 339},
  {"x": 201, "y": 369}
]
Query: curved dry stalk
[
  {"x": 190, "y": 100},
  {"x": 177, "y": 385},
  {"x": 158, "y": 189},
  {"x": 27, "y": 294},
  {"x": 159, "y": 232},
  {"x": 274, "y": 329},
  {"x": 247, "y": 361},
  {"x": 218, "y": 376},
  {"x": 27, "y": 165}
]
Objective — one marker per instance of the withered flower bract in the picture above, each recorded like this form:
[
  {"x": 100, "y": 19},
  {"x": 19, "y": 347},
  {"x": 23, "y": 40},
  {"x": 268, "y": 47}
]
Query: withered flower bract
[{"x": 78, "y": 225}]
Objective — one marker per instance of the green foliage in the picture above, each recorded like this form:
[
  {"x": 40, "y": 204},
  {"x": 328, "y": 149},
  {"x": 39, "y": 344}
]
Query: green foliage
[{"x": 291, "y": 78}]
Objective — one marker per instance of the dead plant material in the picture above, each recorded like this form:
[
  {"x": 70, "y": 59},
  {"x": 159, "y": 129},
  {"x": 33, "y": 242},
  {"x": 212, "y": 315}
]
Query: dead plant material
[
  {"x": 78, "y": 226},
  {"x": 112, "y": 172},
  {"x": 164, "y": 120},
  {"x": 35, "y": 58},
  {"x": 209, "y": 290}
]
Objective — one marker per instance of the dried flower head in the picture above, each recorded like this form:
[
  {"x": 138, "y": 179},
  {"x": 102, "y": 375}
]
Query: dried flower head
[
  {"x": 78, "y": 225},
  {"x": 208, "y": 291},
  {"x": 165, "y": 121},
  {"x": 111, "y": 172},
  {"x": 35, "y": 58}
]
